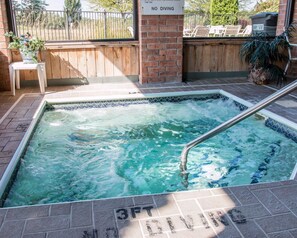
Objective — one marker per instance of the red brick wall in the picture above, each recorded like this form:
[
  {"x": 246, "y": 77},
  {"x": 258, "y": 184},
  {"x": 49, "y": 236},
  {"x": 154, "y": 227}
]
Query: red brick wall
[
  {"x": 281, "y": 16},
  {"x": 292, "y": 71},
  {"x": 161, "y": 45},
  {"x": 4, "y": 52}
]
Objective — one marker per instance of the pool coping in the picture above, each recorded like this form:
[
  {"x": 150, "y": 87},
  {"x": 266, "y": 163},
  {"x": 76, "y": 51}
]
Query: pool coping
[
  {"x": 270, "y": 209},
  {"x": 10, "y": 170}
]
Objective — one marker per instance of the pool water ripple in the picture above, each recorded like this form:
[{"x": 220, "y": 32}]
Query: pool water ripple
[{"x": 134, "y": 149}]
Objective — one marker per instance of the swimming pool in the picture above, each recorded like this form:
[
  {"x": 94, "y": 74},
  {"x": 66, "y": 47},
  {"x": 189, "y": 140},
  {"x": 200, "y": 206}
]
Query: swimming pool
[{"x": 115, "y": 148}]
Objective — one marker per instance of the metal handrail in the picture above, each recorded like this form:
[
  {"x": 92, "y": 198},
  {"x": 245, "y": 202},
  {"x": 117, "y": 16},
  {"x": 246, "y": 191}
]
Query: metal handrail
[{"x": 257, "y": 107}]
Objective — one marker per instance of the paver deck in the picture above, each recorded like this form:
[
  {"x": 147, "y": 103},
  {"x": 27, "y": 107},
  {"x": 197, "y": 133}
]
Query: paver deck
[{"x": 261, "y": 210}]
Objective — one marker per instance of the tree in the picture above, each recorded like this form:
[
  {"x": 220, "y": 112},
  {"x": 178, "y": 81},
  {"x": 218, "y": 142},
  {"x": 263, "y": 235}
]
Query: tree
[
  {"x": 199, "y": 7},
  {"x": 121, "y": 6},
  {"x": 267, "y": 6},
  {"x": 32, "y": 10},
  {"x": 15, "y": 4},
  {"x": 73, "y": 11},
  {"x": 35, "y": 6},
  {"x": 224, "y": 12}
]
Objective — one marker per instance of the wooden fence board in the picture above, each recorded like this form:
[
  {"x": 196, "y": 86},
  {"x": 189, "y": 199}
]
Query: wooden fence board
[
  {"x": 91, "y": 62},
  {"x": 117, "y": 61},
  {"x": 108, "y": 53},
  {"x": 100, "y": 62},
  {"x": 64, "y": 58},
  {"x": 73, "y": 64},
  {"x": 82, "y": 62},
  {"x": 55, "y": 64}
]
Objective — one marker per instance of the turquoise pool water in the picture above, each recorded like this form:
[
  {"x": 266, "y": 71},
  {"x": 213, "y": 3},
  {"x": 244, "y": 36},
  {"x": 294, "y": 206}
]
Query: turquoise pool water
[{"x": 120, "y": 149}]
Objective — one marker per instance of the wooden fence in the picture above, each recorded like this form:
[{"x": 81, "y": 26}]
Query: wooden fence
[
  {"x": 201, "y": 57},
  {"x": 213, "y": 55},
  {"x": 86, "y": 61}
]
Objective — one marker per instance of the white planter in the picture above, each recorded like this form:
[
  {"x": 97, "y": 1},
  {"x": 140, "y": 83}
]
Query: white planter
[{"x": 29, "y": 57}]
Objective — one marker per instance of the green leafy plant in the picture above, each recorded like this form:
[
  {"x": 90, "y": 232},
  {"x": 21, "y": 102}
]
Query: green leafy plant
[
  {"x": 26, "y": 44},
  {"x": 264, "y": 56},
  {"x": 224, "y": 12}
]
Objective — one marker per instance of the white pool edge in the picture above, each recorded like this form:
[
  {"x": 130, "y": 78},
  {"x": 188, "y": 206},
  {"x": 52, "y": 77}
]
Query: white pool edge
[{"x": 17, "y": 155}]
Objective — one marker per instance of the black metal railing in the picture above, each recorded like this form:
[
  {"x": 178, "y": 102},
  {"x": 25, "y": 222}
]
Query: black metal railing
[{"x": 63, "y": 25}]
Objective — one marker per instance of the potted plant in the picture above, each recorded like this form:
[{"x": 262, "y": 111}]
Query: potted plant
[
  {"x": 264, "y": 56},
  {"x": 27, "y": 45}
]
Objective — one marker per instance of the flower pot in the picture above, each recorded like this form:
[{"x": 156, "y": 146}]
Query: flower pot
[{"x": 29, "y": 57}]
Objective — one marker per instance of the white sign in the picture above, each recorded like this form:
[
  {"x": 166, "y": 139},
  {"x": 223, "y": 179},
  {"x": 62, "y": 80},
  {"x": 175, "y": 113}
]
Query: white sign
[
  {"x": 162, "y": 7},
  {"x": 258, "y": 27}
]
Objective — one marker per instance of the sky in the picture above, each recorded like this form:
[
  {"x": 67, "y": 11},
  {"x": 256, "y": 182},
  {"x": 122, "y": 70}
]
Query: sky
[{"x": 58, "y": 5}]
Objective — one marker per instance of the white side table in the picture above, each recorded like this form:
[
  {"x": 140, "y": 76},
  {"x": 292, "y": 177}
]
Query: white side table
[{"x": 14, "y": 71}]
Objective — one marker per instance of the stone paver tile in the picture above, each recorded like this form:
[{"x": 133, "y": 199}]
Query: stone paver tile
[
  {"x": 249, "y": 211},
  {"x": 287, "y": 195},
  {"x": 110, "y": 204},
  {"x": 166, "y": 204},
  {"x": 81, "y": 214},
  {"x": 60, "y": 209},
  {"x": 47, "y": 224},
  {"x": 36, "y": 235},
  {"x": 289, "y": 182},
  {"x": 12, "y": 229},
  {"x": 143, "y": 200},
  {"x": 5, "y": 160},
  {"x": 6, "y": 154},
  {"x": 250, "y": 229},
  {"x": 129, "y": 229},
  {"x": 244, "y": 195},
  {"x": 27, "y": 212},
  {"x": 2, "y": 215},
  {"x": 220, "y": 201},
  {"x": 187, "y": 206},
  {"x": 4, "y": 141},
  {"x": 173, "y": 224},
  {"x": 73, "y": 233},
  {"x": 192, "y": 194},
  {"x": 222, "y": 224},
  {"x": 220, "y": 191},
  {"x": 105, "y": 223},
  {"x": 285, "y": 234},
  {"x": 293, "y": 233},
  {"x": 278, "y": 223},
  {"x": 197, "y": 232},
  {"x": 163, "y": 235},
  {"x": 136, "y": 212},
  {"x": 270, "y": 201},
  {"x": 4, "y": 123},
  {"x": 11, "y": 146}
]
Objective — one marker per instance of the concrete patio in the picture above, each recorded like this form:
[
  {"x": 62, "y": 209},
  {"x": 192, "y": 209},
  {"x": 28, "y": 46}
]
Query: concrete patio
[{"x": 261, "y": 210}]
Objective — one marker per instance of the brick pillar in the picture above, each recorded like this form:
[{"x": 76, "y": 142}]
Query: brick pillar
[
  {"x": 4, "y": 52},
  {"x": 281, "y": 16},
  {"x": 292, "y": 71},
  {"x": 161, "y": 46}
]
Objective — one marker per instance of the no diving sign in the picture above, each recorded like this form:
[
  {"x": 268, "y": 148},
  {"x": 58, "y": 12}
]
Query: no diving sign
[{"x": 162, "y": 7}]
